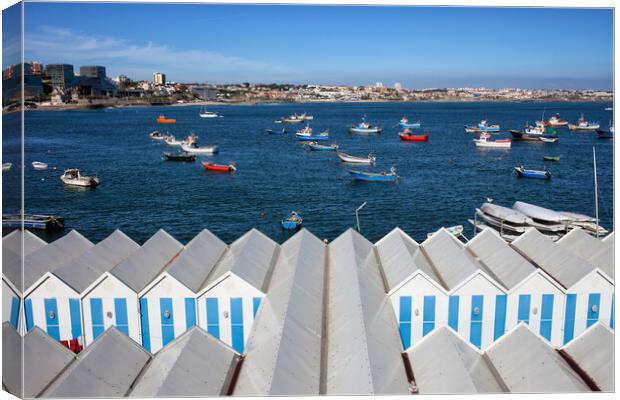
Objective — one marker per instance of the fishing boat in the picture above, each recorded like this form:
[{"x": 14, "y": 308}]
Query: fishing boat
[
  {"x": 292, "y": 222},
  {"x": 73, "y": 177},
  {"x": 306, "y": 135},
  {"x": 207, "y": 114},
  {"x": 218, "y": 167},
  {"x": 485, "y": 127},
  {"x": 583, "y": 125},
  {"x": 556, "y": 121},
  {"x": 365, "y": 128},
  {"x": 6, "y": 166},
  {"x": 483, "y": 141},
  {"x": 551, "y": 158},
  {"x": 293, "y": 119},
  {"x": 321, "y": 147},
  {"x": 547, "y": 139},
  {"x": 163, "y": 120},
  {"x": 404, "y": 123},
  {"x": 195, "y": 149},
  {"x": 38, "y": 165},
  {"x": 33, "y": 221},
  {"x": 181, "y": 156},
  {"x": 172, "y": 141},
  {"x": 374, "y": 176},
  {"x": 274, "y": 132},
  {"x": 356, "y": 160},
  {"x": 408, "y": 137},
  {"x": 157, "y": 135},
  {"x": 532, "y": 173}
]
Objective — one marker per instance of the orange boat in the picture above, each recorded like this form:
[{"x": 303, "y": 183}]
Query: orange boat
[
  {"x": 219, "y": 168},
  {"x": 163, "y": 120}
]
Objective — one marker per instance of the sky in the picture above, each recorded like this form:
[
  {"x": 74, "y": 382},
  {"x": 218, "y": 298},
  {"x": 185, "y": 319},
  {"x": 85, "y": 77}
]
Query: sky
[{"x": 420, "y": 47}]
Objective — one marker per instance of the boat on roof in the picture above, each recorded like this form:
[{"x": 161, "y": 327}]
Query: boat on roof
[
  {"x": 374, "y": 176},
  {"x": 356, "y": 160},
  {"x": 584, "y": 125},
  {"x": 523, "y": 172}
]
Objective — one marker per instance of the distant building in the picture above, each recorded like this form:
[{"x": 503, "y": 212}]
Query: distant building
[
  {"x": 159, "y": 78},
  {"x": 204, "y": 92},
  {"x": 379, "y": 85},
  {"x": 60, "y": 75},
  {"x": 93, "y": 71},
  {"x": 36, "y": 68},
  {"x": 12, "y": 85},
  {"x": 398, "y": 86}
]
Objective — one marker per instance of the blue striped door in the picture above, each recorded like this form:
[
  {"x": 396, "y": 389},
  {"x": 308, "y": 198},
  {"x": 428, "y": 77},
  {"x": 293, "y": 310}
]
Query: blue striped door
[
  {"x": 499, "y": 326},
  {"x": 29, "y": 315},
  {"x": 594, "y": 304},
  {"x": 569, "y": 317},
  {"x": 475, "y": 326},
  {"x": 167, "y": 320},
  {"x": 524, "y": 308},
  {"x": 76, "y": 318},
  {"x": 546, "y": 316},
  {"x": 190, "y": 312},
  {"x": 236, "y": 323},
  {"x": 96, "y": 316},
  {"x": 428, "y": 323},
  {"x": 120, "y": 309},
  {"x": 14, "y": 312},
  {"x": 51, "y": 318},
  {"x": 453, "y": 313},
  {"x": 144, "y": 323},
  {"x": 213, "y": 317},
  {"x": 405, "y": 321},
  {"x": 255, "y": 305}
]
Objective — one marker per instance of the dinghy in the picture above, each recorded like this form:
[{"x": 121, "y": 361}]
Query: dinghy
[
  {"x": 532, "y": 173},
  {"x": 195, "y": 149},
  {"x": 365, "y": 128},
  {"x": 292, "y": 222},
  {"x": 6, "y": 167},
  {"x": 38, "y": 165},
  {"x": 274, "y": 132},
  {"x": 551, "y": 158},
  {"x": 320, "y": 147},
  {"x": 404, "y": 123},
  {"x": 406, "y": 136},
  {"x": 72, "y": 177},
  {"x": 218, "y": 167},
  {"x": 485, "y": 127},
  {"x": 182, "y": 156},
  {"x": 374, "y": 177},
  {"x": 356, "y": 160}
]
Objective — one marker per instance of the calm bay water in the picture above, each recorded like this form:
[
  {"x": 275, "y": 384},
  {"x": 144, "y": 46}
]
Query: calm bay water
[{"x": 441, "y": 184}]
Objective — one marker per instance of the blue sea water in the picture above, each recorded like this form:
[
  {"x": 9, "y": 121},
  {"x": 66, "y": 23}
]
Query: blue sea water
[{"x": 442, "y": 181}]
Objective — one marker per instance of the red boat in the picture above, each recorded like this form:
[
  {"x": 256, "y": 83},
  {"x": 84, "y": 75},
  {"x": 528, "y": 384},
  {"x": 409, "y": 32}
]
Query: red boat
[
  {"x": 218, "y": 167},
  {"x": 413, "y": 138}
]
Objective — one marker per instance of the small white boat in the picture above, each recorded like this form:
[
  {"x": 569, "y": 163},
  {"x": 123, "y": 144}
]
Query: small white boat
[
  {"x": 157, "y": 135},
  {"x": 72, "y": 177},
  {"x": 506, "y": 214},
  {"x": 356, "y": 160},
  {"x": 195, "y": 149},
  {"x": 39, "y": 165},
  {"x": 306, "y": 131},
  {"x": 583, "y": 125},
  {"x": 172, "y": 141},
  {"x": 207, "y": 114},
  {"x": 548, "y": 139},
  {"x": 540, "y": 213},
  {"x": 6, "y": 166},
  {"x": 306, "y": 117},
  {"x": 365, "y": 128},
  {"x": 484, "y": 141}
]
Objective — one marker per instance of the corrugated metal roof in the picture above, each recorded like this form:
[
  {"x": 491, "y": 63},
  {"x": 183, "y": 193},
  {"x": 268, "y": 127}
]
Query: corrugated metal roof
[
  {"x": 52, "y": 256},
  {"x": 194, "y": 365},
  {"x": 604, "y": 259},
  {"x": 145, "y": 264},
  {"x": 444, "y": 363},
  {"x": 400, "y": 257},
  {"x": 106, "y": 368},
  {"x": 527, "y": 363},
  {"x": 284, "y": 350},
  {"x": 448, "y": 257},
  {"x": 250, "y": 257},
  {"x": 363, "y": 344},
  {"x": 563, "y": 266},
  {"x": 501, "y": 261},
  {"x": 83, "y": 270},
  {"x": 599, "y": 252},
  {"x": 12, "y": 254},
  {"x": 44, "y": 360},
  {"x": 197, "y": 260},
  {"x": 11, "y": 360},
  {"x": 593, "y": 352}
]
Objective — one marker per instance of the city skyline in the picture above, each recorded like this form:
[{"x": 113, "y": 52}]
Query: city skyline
[{"x": 419, "y": 47}]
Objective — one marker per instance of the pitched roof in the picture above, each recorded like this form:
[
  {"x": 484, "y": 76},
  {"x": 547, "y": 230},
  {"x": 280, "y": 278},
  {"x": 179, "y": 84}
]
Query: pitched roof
[
  {"x": 364, "y": 347},
  {"x": 527, "y": 363},
  {"x": 83, "y": 270},
  {"x": 563, "y": 266},
  {"x": 12, "y": 254},
  {"x": 197, "y": 260},
  {"x": 250, "y": 258},
  {"x": 400, "y": 257},
  {"x": 145, "y": 264},
  {"x": 106, "y": 368},
  {"x": 52, "y": 256},
  {"x": 444, "y": 363},
  {"x": 283, "y": 354},
  {"x": 195, "y": 364},
  {"x": 599, "y": 252},
  {"x": 11, "y": 360},
  {"x": 499, "y": 259}
]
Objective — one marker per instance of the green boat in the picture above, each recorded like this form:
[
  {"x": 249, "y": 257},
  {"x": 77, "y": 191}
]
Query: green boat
[{"x": 551, "y": 158}]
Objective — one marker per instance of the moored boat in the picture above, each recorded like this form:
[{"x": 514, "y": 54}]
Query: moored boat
[
  {"x": 483, "y": 141},
  {"x": 157, "y": 135},
  {"x": 556, "y": 121},
  {"x": 306, "y": 134},
  {"x": 374, "y": 176},
  {"x": 207, "y": 114},
  {"x": 365, "y": 128},
  {"x": 356, "y": 160},
  {"x": 321, "y": 147},
  {"x": 486, "y": 127},
  {"x": 293, "y": 221},
  {"x": 408, "y": 137},
  {"x": 33, "y": 221},
  {"x": 547, "y": 139},
  {"x": 194, "y": 148},
  {"x": 532, "y": 173},
  {"x": 219, "y": 167},
  {"x": 38, "y": 165},
  {"x": 293, "y": 119},
  {"x": 172, "y": 141},
  {"x": 182, "y": 156},
  {"x": 583, "y": 125},
  {"x": 551, "y": 158},
  {"x": 73, "y": 177},
  {"x": 6, "y": 166},
  {"x": 163, "y": 120},
  {"x": 274, "y": 132},
  {"x": 404, "y": 123}
]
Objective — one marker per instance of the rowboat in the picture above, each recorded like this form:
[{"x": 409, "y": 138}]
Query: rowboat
[
  {"x": 207, "y": 114},
  {"x": 404, "y": 123},
  {"x": 172, "y": 141},
  {"x": 321, "y": 147},
  {"x": 6, "y": 166},
  {"x": 365, "y": 128},
  {"x": 218, "y": 167},
  {"x": 292, "y": 222},
  {"x": 485, "y": 127},
  {"x": 72, "y": 177},
  {"x": 556, "y": 121},
  {"x": 408, "y": 137},
  {"x": 548, "y": 139},
  {"x": 194, "y": 148},
  {"x": 272, "y": 132},
  {"x": 484, "y": 141},
  {"x": 374, "y": 177},
  {"x": 356, "y": 160},
  {"x": 33, "y": 221},
  {"x": 551, "y": 158},
  {"x": 38, "y": 165},
  {"x": 182, "y": 156},
  {"x": 505, "y": 214},
  {"x": 540, "y": 213},
  {"x": 163, "y": 120},
  {"x": 532, "y": 173},
  {"x": 157, "y": 135},
  {"x": 583, "y": 125}
]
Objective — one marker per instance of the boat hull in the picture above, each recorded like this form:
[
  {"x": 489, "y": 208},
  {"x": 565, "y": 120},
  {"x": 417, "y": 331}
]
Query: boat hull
[
  {"x": 218, "y": 168},
  {"x": 200, "y": 150},
  {"x": 82, "y": 182},
  {"x": 413, "y": 138},
  {"x": 355, "y": 160},
  {"x": 318, "y": 147},
  {"x": 370, "y": 177},
  {"x": 525, "y": 173},
  {"x": 304, "y": 138},
  {"x": 365, "y": 131},
  {"x": 496, "y": 144}
]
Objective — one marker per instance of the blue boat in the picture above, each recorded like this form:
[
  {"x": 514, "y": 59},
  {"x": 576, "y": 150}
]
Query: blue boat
[
  {"x": 532, "y": 173},
  {"x": 404, "y": 123},
  {"x": 293, "y": 221},
  {"x": 272, "y": 132},
  {"x": 321, "y": 147},
  {"x": 485, "y": 127},
  {"x": 375, "y": 177}
]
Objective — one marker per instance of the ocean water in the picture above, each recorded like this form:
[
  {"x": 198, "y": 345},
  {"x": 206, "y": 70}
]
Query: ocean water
[{"x": 441, "y": 184}]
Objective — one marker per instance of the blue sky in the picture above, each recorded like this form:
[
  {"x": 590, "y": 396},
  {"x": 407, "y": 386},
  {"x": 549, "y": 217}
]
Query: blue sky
[{"x": 419, "y": 47}]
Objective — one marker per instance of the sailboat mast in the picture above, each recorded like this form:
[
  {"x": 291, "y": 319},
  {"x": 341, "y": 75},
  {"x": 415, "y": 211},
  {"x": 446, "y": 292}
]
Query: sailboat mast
[{"x": 595, "y": 190}]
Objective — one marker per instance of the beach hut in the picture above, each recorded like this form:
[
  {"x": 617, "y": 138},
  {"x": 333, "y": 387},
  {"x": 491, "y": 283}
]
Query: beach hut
[
  {"x": 168, "y": 303},
  {"x": 230, "y": 296},
  {"x": 49, "y": 303},
  {"x": 599, "y": 252},
  {"x": 287, "y": 335},
  {"x": 474, "y": 296},
  {"x": 364, "y": 348},
  {"x": 532, "y": 296},
  {"x": 112, "y": 299},
  {"x": 589, "y": 290},
  {"x": 418, "y": 299}
]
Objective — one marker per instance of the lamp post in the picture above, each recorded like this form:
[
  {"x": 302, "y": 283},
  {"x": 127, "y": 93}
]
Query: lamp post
[{"x": 357, "y": 217}]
